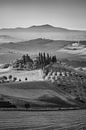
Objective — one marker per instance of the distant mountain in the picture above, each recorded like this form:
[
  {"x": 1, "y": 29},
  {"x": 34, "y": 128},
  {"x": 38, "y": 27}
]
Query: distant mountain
[
  {"x": 44, "y": 31},
  {"x": 45, "y": 27}
]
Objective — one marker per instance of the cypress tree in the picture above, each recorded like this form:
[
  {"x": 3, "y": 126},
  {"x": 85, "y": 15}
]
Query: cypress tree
[
  {"x": 23, "y": 58},
  {"x": 44, "y": 58},
  {"x": 48, "y": 58},
  {"x": 39, "y": 58},
  {"x": 54, "y": 59}
]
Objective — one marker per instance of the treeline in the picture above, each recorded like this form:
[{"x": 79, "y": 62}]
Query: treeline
[
  {"x": 26, "y": 59},
  {"x": 23, "y": 63},
  {"x": 45, "y": 59},
  {"x": 26, "y": 62},
  {"x": 6, "y": 104}
]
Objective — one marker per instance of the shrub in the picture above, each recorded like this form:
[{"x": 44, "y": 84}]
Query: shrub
[
  {"x": 10, "y": 76},
  {"x": 26, "y": 78},
  {"x": 14, "y": 79},
  {"x": 4, "y": 77},
  {"x": 19, "y": 80}
]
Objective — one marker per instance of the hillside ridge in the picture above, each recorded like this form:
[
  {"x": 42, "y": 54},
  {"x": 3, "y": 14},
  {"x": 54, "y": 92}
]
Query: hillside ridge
[{"x": 45, "y": 26}]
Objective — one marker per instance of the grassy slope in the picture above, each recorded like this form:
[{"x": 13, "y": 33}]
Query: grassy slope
[
  {"x": 42, "y": 44},
  {"x": 11, "y": 51},
  {"x": 43, "y": 93}
]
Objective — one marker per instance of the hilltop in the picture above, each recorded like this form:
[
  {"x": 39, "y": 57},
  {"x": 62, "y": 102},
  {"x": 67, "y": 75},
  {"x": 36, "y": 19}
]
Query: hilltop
[
  {"x": 43, "y": 31},
  {"x": 47, "y": 27},
  {"x": 36, "y": 28}
]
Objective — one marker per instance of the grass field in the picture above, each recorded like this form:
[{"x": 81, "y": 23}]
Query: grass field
[
  {"x": 45, "y": 94},
  {"x": 45, "y": 120}
]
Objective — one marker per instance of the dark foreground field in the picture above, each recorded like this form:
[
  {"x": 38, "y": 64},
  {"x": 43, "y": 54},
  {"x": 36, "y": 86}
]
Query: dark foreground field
[{"x": 43, "y": 120}]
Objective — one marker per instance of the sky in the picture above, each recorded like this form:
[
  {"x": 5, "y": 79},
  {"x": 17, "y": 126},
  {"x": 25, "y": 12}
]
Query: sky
[{"x": 69, "y": 14}]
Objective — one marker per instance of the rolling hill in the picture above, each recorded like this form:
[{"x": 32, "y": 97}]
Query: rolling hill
[
  {"x": 44, "y": 31},
  {"x": 14, "y": 42},
  {"x": 7, "y": 39},
  {"x": 37, "y": 94},
  {"x": 14, "y": 50},
  {"x": 35, "y": 45}
]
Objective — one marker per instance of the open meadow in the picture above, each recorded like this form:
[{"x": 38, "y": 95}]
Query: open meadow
[{"x": 43, "y": 120}]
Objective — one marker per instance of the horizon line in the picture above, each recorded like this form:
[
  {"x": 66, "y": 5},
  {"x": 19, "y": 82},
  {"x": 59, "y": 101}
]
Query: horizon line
[{"x": 40, "y": 26}]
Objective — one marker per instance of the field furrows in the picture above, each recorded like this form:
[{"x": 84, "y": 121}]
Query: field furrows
[{"x": 17, "y": 120}]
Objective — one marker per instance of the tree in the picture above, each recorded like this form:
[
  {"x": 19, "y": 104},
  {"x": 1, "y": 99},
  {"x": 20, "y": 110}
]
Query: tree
[
  {"x": 10, "y": 77},
  {"x": 26, "y": 58},
  {"x": 44, "y": 58},
  {"x": 27, "y": 105},
  {"x": 14, "y": 79},
  {"x": 41, "y": 58},
  {"x": 4, "y": 77},
  {"x": 26, "y": 79},
  {"x": 54, "y": 59},
  {"x": 60, "y": 73},
  {"x": 48, "y": 58},
  {"x": 19, "y": 80},
  {"x": 23, "y": 58}
]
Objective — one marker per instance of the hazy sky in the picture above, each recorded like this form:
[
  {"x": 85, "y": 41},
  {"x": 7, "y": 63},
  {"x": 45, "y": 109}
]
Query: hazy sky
[{"x": 61, "y": 13}]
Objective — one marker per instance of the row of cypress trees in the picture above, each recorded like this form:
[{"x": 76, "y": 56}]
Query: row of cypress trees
[
  {"x": 45, "y": 59},
  {"x": 42, "y": 60}
]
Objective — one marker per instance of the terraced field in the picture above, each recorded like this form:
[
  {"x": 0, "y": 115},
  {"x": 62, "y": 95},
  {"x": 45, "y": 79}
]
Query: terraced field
[{"x": 43, "y": 120}]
